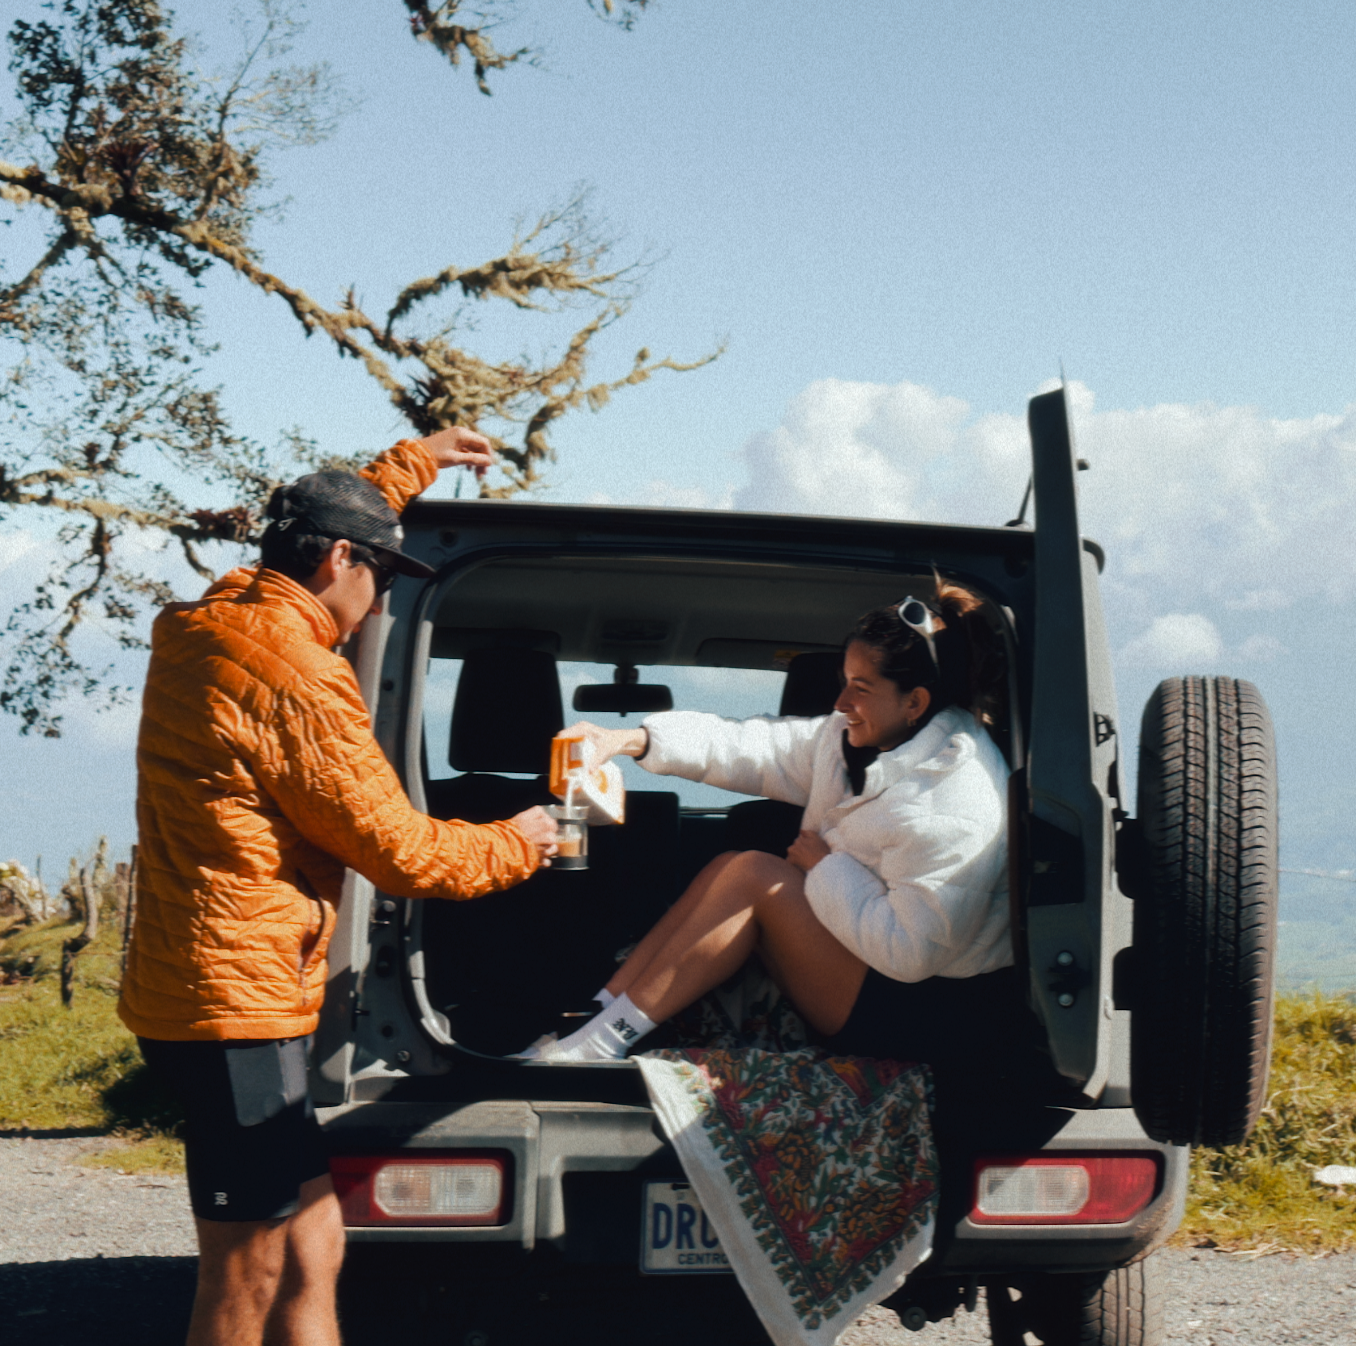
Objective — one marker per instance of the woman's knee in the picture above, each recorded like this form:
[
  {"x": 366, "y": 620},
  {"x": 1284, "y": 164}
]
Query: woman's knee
[{"x": 771, "y": 875}]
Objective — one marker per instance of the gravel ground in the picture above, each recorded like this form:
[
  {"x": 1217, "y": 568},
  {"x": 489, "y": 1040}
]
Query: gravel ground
[{"x": 91, "y": 1254}]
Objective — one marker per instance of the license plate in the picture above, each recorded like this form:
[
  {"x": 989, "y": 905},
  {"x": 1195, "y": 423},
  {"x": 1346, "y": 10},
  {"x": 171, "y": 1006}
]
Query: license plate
[{"x": 677, "y": 1236}]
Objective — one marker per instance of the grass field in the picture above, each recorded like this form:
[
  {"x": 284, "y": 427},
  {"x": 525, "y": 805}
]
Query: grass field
[
  {"x": 76, "y": 1069},
  {"x": 80, "y": 1069},
  {"x": 1263, "y": 1193}
]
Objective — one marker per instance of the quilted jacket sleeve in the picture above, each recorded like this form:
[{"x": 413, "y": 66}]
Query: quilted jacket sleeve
[
  {"x": 318, "y": 760},
  {"x": 933, "y": 902},
  {"x": 402, "y": 472},
  {"x": 764, "y": 756}
]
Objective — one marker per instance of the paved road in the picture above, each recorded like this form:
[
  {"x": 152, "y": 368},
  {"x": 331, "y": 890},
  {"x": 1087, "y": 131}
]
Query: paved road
[{"x": 87, "y": 1255}]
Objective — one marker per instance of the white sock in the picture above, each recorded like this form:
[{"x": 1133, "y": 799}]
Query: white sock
[
  {"x": 604, "y": 997},
  {"x": 606, "y": 1037}
]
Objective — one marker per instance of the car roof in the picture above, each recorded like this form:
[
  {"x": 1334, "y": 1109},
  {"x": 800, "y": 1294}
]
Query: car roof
[{"x": 724, "y": 524}]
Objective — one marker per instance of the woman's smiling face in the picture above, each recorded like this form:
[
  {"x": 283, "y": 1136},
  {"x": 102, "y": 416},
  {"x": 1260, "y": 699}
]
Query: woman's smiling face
[{"x": 880, "y": 713}]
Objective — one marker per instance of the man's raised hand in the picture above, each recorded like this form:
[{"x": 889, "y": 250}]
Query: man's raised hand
[{"x": 460, "y": 447}]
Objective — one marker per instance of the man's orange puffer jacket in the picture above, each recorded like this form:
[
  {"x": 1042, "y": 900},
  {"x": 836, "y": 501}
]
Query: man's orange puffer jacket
[{"x": 258, "y": 781}]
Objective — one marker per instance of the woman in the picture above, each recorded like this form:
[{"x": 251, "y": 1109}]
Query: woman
[{"x": 887, "y": 922}]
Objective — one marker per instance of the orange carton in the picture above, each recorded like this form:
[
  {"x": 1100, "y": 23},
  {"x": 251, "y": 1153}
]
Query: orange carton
[
  {"x": 573, "y": 776},
  {"x": 567, "y": 759}
]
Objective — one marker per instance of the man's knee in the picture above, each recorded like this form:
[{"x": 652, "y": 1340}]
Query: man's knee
[
  {"x": 242, "y": 1259},
  {"x": 316, "y": 1236}
]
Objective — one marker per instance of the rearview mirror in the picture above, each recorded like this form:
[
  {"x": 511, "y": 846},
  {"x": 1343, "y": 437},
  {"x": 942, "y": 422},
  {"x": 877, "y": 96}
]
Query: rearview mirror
[{"x": 623, "y": 698}]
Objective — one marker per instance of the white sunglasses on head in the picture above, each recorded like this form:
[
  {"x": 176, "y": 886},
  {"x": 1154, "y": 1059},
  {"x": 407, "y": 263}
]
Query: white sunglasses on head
[{"x": 918, "y": 617}]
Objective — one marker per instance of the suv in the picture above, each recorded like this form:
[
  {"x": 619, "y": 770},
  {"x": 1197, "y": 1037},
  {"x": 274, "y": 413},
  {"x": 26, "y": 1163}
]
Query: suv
[{"x": 500, "y": 1200}]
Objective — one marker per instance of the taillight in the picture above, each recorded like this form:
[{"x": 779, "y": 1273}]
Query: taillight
[
  {"x": 1063, "y": 1188},
  {"x": 437, "y": 1187}
]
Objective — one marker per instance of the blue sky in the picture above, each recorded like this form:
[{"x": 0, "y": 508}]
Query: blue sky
[{"x": 902, "y": 217}]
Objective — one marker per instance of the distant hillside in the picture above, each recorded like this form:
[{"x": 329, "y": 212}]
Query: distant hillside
[{"x": 1318, "y": 934}]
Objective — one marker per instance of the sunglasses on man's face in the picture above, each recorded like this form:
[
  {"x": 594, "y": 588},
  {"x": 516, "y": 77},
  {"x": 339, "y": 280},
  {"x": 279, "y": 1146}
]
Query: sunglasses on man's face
[{"x": 384, "y": 575}]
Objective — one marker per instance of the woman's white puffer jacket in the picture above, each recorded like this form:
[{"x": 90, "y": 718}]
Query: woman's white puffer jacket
[{"x": 916, "y": 885}]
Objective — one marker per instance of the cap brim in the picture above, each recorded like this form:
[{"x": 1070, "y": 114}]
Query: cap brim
[{"x": 402, "y": 564}]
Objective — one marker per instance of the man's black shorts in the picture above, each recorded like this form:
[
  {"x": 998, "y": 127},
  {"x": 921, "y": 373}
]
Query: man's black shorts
[{"x": 251, "y": 1136}]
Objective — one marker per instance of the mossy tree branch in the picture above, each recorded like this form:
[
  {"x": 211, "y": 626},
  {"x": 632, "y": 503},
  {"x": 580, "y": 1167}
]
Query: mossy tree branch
[{"x": 150, "y": 171}]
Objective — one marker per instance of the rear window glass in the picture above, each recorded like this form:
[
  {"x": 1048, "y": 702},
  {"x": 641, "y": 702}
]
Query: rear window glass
[{"x": 736, "y": 693}]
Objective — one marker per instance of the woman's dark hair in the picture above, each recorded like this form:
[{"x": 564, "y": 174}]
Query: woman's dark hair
[{"x": 969, "y": 667}]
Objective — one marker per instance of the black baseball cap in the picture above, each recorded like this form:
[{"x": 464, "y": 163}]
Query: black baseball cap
[{"x": 340, "y": 504}]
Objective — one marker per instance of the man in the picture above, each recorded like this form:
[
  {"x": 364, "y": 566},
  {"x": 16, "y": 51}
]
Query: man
[{"x": 258, "y": 782}]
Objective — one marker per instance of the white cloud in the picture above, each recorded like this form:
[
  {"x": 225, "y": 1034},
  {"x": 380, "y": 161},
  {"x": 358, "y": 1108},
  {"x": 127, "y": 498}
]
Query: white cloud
[
  {"x": 663, "y": 494},
  {"x": 1261, "y": 649},
  {"x": 1175, "y": 641},
  {"x": 112, "y": 726},
  {"x": 572, "y": 677},
  {"x": 15, "y": 545},
  {"x": 887, "y": 451},
  {"x": 1260, "y": 600},
  {"x": 1224, "y": 504}
]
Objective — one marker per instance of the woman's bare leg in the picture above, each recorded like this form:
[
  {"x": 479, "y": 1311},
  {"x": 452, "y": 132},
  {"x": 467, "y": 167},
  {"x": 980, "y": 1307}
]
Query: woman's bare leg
[
  {"x": 751, "y": 901},
  {"x": 639, "y": 959}
]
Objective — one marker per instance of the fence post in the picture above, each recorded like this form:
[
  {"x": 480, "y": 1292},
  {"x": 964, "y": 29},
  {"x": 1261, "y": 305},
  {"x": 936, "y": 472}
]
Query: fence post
[
  {"x": 84, "y": 883},
  {"x": 129, "y": 909}
]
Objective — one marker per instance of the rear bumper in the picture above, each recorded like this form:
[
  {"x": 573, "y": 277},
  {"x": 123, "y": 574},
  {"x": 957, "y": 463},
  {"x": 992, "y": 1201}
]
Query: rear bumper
[{"x": 549, "y": 1142}]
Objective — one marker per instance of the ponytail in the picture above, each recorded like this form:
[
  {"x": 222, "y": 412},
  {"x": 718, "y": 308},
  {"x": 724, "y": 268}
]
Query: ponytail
[{"x": 968, "y": 666}]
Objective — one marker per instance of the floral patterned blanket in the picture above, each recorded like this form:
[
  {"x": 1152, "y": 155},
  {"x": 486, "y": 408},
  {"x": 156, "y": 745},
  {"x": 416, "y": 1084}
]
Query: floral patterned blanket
[{"x": 817, "y": 1172}]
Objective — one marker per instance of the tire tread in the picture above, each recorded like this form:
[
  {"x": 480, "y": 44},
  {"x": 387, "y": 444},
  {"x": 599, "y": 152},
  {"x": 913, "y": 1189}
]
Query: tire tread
[{"x": 1205, "y": 933}]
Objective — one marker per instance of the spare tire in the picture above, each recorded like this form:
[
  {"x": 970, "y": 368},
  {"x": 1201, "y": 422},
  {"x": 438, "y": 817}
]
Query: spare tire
[{"x": 1205, "y": 919}]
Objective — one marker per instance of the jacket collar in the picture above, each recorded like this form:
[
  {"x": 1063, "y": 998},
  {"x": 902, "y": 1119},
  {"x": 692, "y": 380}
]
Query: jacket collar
[
  {"x": 268, "y": 586},
  {"x": 891, "y": 767}
]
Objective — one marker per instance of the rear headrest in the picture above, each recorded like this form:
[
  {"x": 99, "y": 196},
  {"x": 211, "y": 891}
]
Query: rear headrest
[
  {"x": 507, "y": 712},
  {"x": 812, "y": 684}
]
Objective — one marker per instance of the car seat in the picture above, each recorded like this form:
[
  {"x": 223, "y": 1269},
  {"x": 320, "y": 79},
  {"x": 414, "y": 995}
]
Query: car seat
[
  {"x": 506, "y": 712},
  {"x": 502, "y": 968},
  {"x": 812, "y": 686}
]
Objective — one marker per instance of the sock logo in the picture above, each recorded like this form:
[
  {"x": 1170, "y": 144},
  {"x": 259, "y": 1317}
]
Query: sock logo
[{"x": 624, "y": 1031}]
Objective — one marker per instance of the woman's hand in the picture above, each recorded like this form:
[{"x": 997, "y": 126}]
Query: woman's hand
[
  {"x": 807, "y": 850},
  {"x": 608, "y": 743},
  {"x": 541, "y": 831},
  {"x": 460, "y": 447}
]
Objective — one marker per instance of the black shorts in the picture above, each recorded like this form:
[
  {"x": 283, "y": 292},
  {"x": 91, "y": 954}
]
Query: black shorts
[
  {"x": 251, "y": 1136},
  {"x": 965, "y": 1024}
]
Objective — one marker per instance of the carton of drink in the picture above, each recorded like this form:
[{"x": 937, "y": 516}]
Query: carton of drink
[{"x": 580, "y": 784}]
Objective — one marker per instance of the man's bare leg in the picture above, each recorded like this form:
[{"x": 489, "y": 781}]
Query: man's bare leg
[
  {"x": 751, "y": 901},
  {"x": 239, "y": 1267},
  {"x": 304, "y": 1312},
  {"x": 277, "y": 1275}
]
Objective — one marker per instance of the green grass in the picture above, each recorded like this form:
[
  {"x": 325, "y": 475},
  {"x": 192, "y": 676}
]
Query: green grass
[
  {"x": 143, "y": 1154},
  {"x": 1261, "y": 1195},
  {"x": 79, "y": 1068}
]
